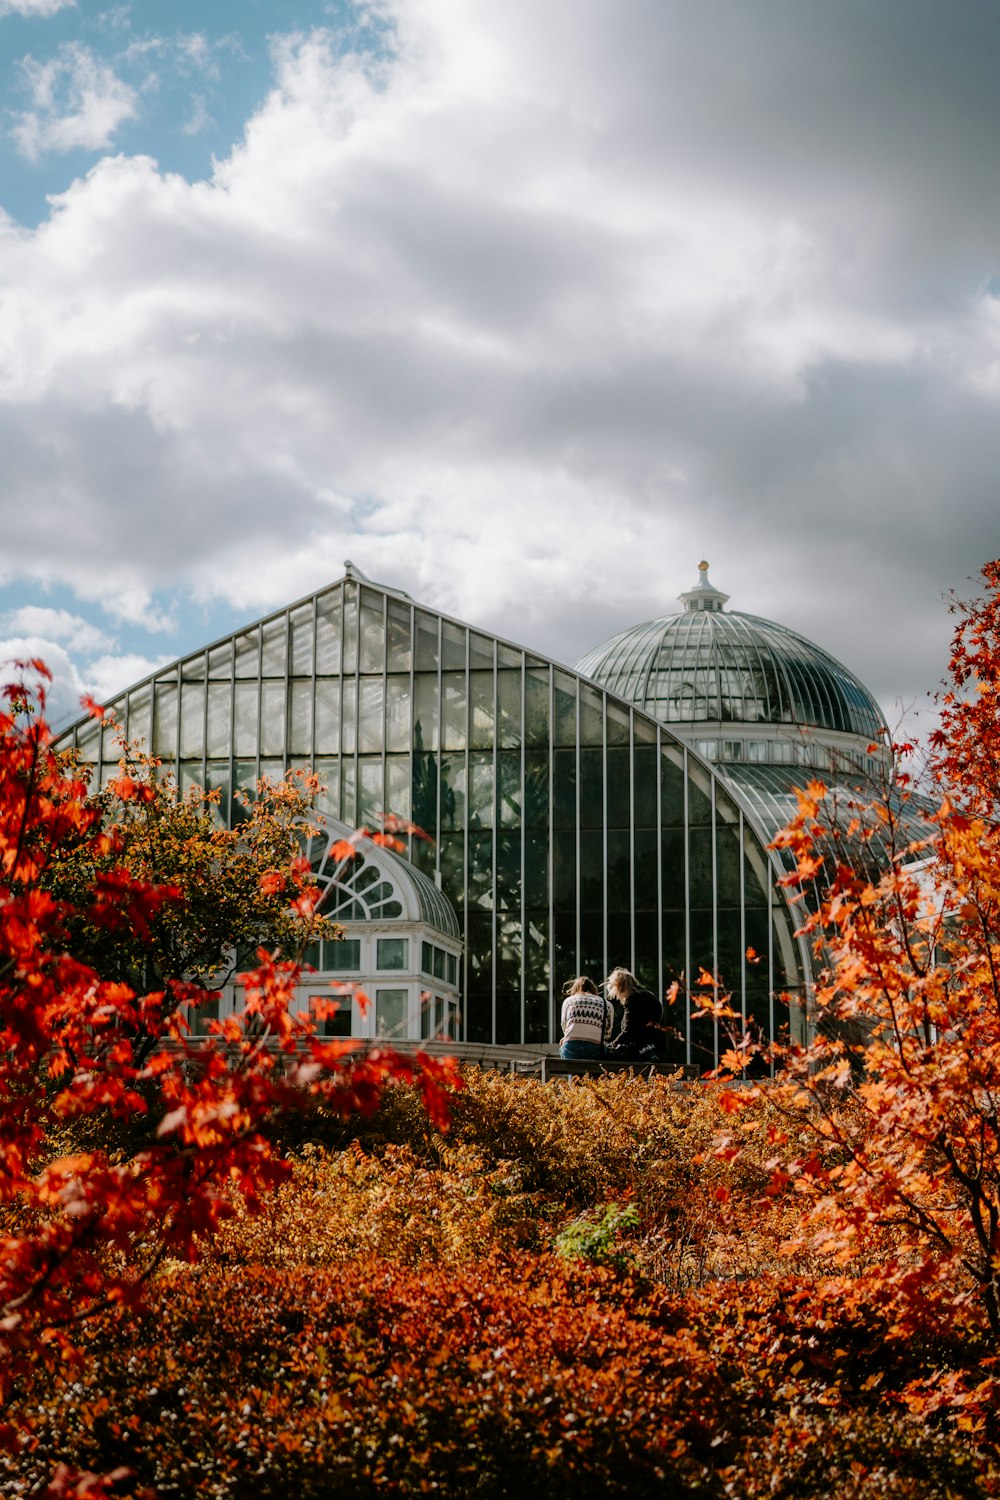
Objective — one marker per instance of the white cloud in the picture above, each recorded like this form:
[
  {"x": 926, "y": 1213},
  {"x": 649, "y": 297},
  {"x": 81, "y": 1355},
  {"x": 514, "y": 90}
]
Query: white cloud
[
  {"x": 57, "y": 625},
  {"x": 77, "y": 102},
  {"x": 41, "y": 8},
  {"x": 526, "y": 313},
  {"x": 110, "y": 674}
]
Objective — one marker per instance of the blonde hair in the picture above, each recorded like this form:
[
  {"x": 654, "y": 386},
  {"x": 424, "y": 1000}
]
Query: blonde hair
[
  {"x": 621, "y": 982},
  {"x": 581, "y": 985}
]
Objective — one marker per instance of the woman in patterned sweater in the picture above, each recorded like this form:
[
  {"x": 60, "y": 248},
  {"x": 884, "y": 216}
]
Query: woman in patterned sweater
[{"x": 587, "y": 1019}]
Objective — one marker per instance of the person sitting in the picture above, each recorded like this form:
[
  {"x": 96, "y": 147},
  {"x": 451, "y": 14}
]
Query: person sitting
[
  {"x": 586, "y": 1020},
  {"x": 641, "y": 1037}
]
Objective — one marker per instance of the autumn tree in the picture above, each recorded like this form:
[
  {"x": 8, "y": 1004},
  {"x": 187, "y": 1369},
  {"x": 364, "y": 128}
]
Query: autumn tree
[
  {"x": 905, "y": 1164},
  {"x": 85, "y": 1227},
  {"x": 235, "y": 889}
]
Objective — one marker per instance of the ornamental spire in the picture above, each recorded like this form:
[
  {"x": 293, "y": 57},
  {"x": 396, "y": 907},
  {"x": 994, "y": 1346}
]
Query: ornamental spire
[{"x": 704, "y": 595}]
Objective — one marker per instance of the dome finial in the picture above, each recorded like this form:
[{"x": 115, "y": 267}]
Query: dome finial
[{"x": 704, "y": 595}]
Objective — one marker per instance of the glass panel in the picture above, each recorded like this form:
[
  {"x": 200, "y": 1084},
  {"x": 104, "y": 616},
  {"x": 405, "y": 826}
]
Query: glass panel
[
  {"x": 300, "y": 646},
  {"x": 564, "y": 871},
  {"x": 328, "y": 717},
  {"x": 193, "y": 670},
  {"x": 591, "y": 789},
  {"x": 138, "y": 714},
  {"x": 425, "y": 729},
  {"x": 452, "y": 792},
  {"x": 427, "y": 642},
  {"x": 564, "y": 788},
  {"x": 348, "y": 716},
  {"x": 274, "y": 658},
  {"x": 481, "y": 869},
  {"x": 644, "y": 761},
  {"x": 645, "y": 869},
  {"x": 272, "y": 719},
  {"x": 390, "y": 1013},
  {"x": 348, "y": 792},
  {"x": 328, "y": 653},
  {"x": 452, "y": 647},
  {"x": 370, "y": 800},
  {"x": 328, "y": 799},
  {"x": 481, "y": 799},
  {"x": 564, "y": 702},
  {"x": 350, "y": 628},
  {"x": 592, "y": 871},
  {"x": 192, "y": 719},
  {"x": 165, "y": 720},
  {"x": 392, "y": 953},
  {"x": 536, "y": 707},
  {"x": 217, "y": 780},
  {"x": 371, "y": 647},
  {"x": 244, "y": 780},
  {"x": 371, "y": 714},
  {"x": 619, "y": 871},
  {"x": 591, "y": 716},
  {"x": 220, "y": 660},
  {"x": 536, "y": 789},
  {"x": 189, "y": 775},
  {"x": 508, "y": 788},
  {"x": 219, "y": 719},
  {"x": 508, "y": 855},
  {"x": 509, "y": 709},
  {"x": 671, "y": 789},
  {"x": 398, "y": 652},
  {"x": 342, "y": 956},
  {"x": 480, "y": 651},
  {"x": 452, "y": 850},
  {"x": 508, "y": 1018},
  {"x": 397, "y": 713},
  {"x": 509, "y": 656},
  {"x": 453, "y": 727},
  {"x": 482, "y": 710},
  {"x": 248, "y": 654},
  {"x": 426, "y": 958},
  {"x": 397, "y": 795},
  {"x": 617, "y": 721},
  {"x": 536, "y": 869},
  {"x": 274, "y": 770},
  {"x": 618, "y": 788},
  {"x": 245, "y": 734},
  {"x": 300, "y": 718},
  {"x": 425, "y": 796}
]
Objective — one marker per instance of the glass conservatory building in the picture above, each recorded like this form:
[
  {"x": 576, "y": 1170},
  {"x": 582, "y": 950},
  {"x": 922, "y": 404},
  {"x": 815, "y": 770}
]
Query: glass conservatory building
[{"x": 575, "y": 821}]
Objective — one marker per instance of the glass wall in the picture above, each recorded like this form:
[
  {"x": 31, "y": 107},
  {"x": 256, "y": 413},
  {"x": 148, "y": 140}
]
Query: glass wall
[{"x": 570, "y": 832}]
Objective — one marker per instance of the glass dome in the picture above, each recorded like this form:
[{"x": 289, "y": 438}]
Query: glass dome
[{"x": 710, "y": 665}]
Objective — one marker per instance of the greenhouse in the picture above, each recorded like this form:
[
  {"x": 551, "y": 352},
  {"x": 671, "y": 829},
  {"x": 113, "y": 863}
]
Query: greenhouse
[{"x": 576, "y": 820}]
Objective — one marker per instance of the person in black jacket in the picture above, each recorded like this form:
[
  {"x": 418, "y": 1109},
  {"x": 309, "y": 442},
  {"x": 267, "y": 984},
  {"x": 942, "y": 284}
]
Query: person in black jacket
[{"x": 641, "y": 1037}]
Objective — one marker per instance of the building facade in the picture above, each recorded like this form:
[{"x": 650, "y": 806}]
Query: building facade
[{"x": 570, "y": 830}]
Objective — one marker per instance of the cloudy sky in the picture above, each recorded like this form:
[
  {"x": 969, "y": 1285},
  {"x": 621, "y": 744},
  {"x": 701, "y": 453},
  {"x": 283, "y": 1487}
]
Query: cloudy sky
[{"x": 523, "y": 307}]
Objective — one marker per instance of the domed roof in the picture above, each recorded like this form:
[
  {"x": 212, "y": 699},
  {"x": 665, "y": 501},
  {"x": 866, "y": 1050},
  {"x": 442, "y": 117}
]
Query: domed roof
[{"x": 712, "y": 665}]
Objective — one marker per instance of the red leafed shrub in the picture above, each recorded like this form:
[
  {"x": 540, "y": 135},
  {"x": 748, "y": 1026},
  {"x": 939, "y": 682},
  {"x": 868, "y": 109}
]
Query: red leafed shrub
[
  {"x": 523, "y": 1376},
  {"x": 88, "y": 1228}
]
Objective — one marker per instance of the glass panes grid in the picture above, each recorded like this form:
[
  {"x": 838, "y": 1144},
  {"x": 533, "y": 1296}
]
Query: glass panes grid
[
  {"x": 728, "y": 667},
  {"x": 569, "y": 833}
]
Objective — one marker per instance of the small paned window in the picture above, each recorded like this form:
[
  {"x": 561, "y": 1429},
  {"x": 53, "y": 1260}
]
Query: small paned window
[
  {"x": 343, "y": 956},
  {"x": 392, "y": 953},
  {"x": 390, "y": 1013},
  {"x": 452, "y": 969},
  {"x": 427, "y": 958}
]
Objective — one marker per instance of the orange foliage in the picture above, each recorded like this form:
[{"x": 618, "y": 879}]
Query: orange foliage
[{"x": 89, "y": 1228}]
